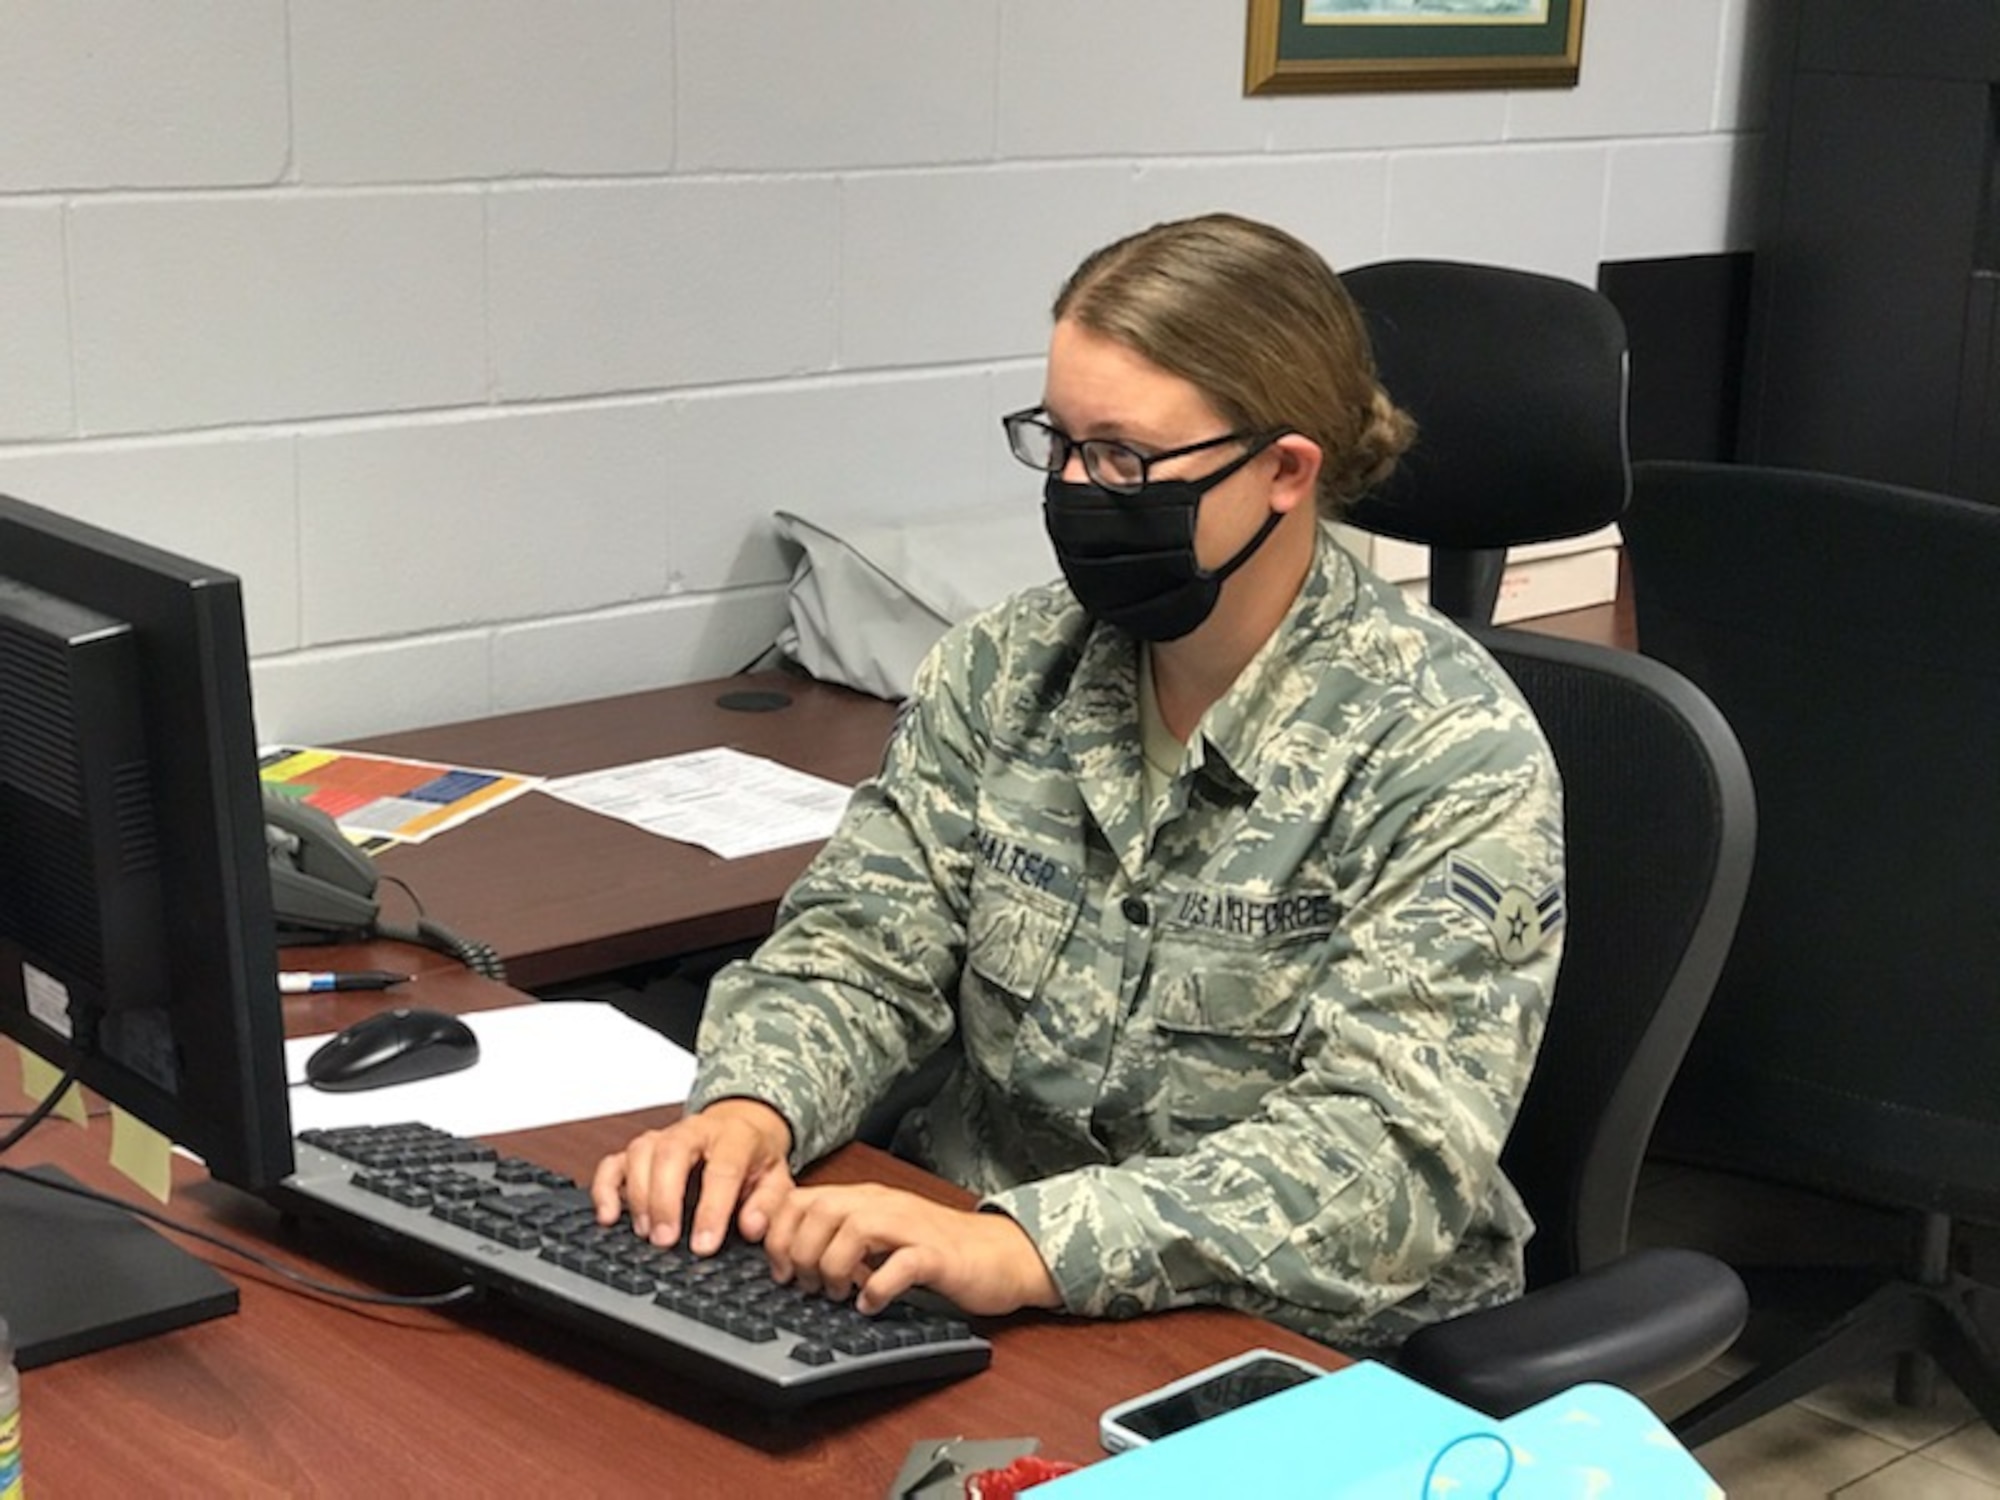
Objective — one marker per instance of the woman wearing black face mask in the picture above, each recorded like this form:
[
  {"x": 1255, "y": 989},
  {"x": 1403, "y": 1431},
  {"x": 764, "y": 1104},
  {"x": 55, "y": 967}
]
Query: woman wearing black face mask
[{"x": 1233, "y": 878}]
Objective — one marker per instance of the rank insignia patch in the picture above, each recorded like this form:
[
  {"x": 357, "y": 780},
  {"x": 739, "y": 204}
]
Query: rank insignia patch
[{"x": 1518, "y": 919}]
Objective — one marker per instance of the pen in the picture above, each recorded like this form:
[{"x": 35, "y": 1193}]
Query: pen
[{"x": 299, "y": 982}]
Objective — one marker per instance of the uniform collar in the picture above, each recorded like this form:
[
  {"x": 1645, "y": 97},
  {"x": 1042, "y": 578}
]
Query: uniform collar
[
  {"x": 1239, "y": 740},
  {"x": 1235, "y": 740}
]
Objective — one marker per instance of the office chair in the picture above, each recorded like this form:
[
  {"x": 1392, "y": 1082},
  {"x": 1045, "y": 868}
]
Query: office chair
[
  {"x": 1850, "y": 630},
  {"x": 1659, "y": 826},
  {"x": 1518, "y": 384}
]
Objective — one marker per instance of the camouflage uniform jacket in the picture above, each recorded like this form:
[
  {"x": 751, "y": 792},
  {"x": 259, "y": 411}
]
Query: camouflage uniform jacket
[{"x": 1256, "y": 1046}]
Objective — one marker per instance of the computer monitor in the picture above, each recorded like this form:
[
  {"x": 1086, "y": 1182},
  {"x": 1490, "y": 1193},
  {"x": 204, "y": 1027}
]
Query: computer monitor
[{"x": 136, "y": 936}]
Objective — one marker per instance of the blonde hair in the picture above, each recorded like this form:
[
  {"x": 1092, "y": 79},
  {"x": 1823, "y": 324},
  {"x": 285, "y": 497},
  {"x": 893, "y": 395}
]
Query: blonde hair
[{"x": 1259, "y": 323}]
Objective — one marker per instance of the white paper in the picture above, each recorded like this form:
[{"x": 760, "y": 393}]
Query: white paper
[
  {"x": 721, "y": 799},
  {"x": 539, "y": 1064}
]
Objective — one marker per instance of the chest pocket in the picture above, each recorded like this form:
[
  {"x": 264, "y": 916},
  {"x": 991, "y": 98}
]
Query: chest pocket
[
  {"x": 1012, "y": 938},
  {"x": 1229, "y": 1016}
]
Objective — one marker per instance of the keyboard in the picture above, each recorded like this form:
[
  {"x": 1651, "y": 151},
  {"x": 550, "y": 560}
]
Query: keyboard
[{"x": 529, "y": 1234}]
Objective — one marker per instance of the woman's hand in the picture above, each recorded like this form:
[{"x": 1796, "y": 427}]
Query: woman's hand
[
  {"x": 740, "y": 1147},
  {"x": 882, "y": 1241}
]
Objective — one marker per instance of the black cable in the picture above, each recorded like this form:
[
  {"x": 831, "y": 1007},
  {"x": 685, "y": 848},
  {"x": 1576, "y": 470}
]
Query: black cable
[
  {"x": 481, "y": 958},
  {"x": 751, "y": 665},
  {"x": 40, "y": 1112},
  {"x": 425, "y": 932},
  {"x": 476, "y": 956},
  {"x": 407, "y": 889},
  {"x": 89, "y": 1114},
  {"x": 312, "y": 1283},
  {"x": 47, "y": 1107}
]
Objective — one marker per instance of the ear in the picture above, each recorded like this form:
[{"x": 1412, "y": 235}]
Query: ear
[{"x": 1295, "y": 482}]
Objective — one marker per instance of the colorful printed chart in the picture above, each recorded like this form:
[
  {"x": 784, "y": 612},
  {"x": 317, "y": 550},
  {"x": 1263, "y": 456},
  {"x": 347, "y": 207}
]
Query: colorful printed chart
[{"x": 381, "y": 799}]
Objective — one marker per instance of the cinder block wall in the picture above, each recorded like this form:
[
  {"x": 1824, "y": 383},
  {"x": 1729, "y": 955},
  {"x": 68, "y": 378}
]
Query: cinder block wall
[{"x": 482, "y": 336}]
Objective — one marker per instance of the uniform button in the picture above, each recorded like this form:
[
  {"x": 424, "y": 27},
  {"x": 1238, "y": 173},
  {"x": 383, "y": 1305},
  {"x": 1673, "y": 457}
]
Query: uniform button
[{"x": 1135, "y": 911}]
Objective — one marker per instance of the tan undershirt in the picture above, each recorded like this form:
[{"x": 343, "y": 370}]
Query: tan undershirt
[{"x": 1163, "y": 751}]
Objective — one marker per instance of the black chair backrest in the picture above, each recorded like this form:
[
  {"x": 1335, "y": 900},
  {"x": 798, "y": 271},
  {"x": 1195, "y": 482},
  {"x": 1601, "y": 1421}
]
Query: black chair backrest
[
  {"x": 1851, "y": 632},
  {"x": 1518, "y": 385},
  {"x": 1659, "y": 826}
]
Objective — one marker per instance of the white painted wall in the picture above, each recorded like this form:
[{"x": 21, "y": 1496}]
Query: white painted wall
[{"x": 481, "y": 336}]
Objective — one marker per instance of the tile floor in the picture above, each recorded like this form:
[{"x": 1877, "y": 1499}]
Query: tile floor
[{"x": 1851, "y": 1439}]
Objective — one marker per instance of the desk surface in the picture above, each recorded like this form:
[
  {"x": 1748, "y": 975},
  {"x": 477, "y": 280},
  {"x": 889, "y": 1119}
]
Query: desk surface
[
  {"x": 298, "y": 1395},
  {"x": 563, "y": 893}
]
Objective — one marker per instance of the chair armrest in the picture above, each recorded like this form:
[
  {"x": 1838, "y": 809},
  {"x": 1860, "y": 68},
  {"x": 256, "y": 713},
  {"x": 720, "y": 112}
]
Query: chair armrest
[{"x": 1640, "y": 1322}]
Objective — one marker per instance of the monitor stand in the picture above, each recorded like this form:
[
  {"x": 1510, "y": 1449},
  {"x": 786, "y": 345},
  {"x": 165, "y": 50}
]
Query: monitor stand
[{"x": 77, "y": 1275}]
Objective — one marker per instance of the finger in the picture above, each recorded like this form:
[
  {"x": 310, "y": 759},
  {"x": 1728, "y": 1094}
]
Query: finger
[
  {"x": 816, "y": 1226},
  {"x": 778, "y": 1234},
  {"x": 607, "y": 1188},
  {"x": 722, "y": 1175},
  {"x": 843, "y": 1265},
  {"x": 770, "y": 1190},
  {"x": 910, "y": 1266},
  {"x": 639, "y": 1158},
  {"x": 674, "y": 1154}
]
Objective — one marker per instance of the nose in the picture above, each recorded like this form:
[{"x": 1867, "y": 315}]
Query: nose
[{"x": 1072, "y": 470}]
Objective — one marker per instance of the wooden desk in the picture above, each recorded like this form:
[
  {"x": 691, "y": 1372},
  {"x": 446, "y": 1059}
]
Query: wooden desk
[
  {"x": 295, "y": 1395},
  {"x": 562, "y": 893}
]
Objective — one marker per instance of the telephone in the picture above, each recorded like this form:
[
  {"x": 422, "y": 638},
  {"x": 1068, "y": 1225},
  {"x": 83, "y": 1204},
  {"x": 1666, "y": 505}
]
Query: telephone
[{"x": 323, "y": 889}]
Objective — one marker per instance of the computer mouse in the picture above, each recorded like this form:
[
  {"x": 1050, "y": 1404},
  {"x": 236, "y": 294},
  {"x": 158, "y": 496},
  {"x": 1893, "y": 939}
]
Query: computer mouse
[{"x": 392, "y": 1046}]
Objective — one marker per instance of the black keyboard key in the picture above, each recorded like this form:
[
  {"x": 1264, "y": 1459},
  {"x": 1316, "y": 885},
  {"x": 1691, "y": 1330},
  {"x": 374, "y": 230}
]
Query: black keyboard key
[
  {"x": 857, "y": 1341},
  {"x": 678, "y": 1299},
  {"x": 746, "y": 1326}
]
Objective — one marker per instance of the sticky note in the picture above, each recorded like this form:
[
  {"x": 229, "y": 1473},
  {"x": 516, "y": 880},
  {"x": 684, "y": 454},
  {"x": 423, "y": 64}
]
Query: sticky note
[
  {"x": 39, "y": 1076},
  {"x": 142, "y": 1154}
]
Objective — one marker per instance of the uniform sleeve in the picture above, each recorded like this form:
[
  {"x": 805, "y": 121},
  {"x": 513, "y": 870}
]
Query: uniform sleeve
[
  {"x": 1370, "y": 1176},
  {"x": 854, "y": 986}
]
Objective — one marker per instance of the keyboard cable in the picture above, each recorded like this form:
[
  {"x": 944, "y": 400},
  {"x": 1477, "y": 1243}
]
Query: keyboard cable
[{"x": 461, "y": 1293}]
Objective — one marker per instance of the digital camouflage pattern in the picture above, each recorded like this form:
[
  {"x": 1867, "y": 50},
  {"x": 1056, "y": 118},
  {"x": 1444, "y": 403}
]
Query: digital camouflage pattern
[{"x": 1258, "y": 1045}]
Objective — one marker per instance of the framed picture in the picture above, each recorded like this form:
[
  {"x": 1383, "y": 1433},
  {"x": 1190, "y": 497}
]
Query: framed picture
[{"x": 1308, "y": 46}]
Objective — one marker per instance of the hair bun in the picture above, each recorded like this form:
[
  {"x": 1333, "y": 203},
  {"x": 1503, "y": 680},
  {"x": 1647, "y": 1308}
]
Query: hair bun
[{"x": 1386, "y": 434}]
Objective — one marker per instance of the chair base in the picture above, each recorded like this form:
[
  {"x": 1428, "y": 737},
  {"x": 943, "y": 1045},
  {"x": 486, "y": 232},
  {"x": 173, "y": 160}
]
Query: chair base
[{"x": 1900, "y": 1318}]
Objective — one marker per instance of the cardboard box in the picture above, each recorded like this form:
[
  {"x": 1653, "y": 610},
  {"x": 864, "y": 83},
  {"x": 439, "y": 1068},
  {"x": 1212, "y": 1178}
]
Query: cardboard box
[{"x": 1546, "y": 578}]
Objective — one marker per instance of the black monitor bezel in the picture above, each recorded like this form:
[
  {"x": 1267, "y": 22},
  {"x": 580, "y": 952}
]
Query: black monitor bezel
[{"x": 231, "y": 1107}]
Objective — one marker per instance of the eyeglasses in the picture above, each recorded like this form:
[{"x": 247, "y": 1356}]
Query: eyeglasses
[{"x": 1112, "y": 465}]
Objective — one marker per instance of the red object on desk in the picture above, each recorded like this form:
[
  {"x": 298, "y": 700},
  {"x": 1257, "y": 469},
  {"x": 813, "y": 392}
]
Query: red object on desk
[{"x": 1021, "y": 1474}]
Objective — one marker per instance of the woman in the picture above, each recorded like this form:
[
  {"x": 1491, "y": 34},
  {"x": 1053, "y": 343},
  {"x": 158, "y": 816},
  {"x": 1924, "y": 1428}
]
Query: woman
[{"x": 1235, "y": 877}]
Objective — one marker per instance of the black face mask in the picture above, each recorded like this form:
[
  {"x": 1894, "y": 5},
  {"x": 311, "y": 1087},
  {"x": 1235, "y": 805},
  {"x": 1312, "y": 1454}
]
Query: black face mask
[{"x": 1130, "y": 558}]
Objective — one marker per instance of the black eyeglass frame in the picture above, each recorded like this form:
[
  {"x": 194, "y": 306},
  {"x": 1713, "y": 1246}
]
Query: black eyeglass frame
[{"x": 1061, "y": 445}]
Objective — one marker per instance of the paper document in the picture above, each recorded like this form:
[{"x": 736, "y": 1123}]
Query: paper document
[
  {"x": 379, "y": 800},
  {"x": 539, "y": 1064},
  {"x": 721, "y": 799}
]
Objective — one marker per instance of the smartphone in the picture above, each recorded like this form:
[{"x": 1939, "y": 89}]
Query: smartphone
[{"x": 1206, "y": 1393}]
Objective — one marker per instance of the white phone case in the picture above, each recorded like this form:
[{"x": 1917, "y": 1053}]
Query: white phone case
[{"x": 1116, "y": 1429}]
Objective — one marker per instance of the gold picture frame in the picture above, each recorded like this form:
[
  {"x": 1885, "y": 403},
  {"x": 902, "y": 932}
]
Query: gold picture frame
[{"x": 1321, "y": 46}]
